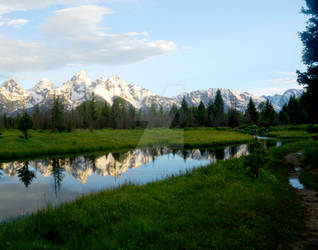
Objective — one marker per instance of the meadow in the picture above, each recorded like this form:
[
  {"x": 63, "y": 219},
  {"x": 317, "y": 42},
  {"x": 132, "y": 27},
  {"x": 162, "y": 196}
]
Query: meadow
[
  {"x": 217, "y": 206},
  {"x": 290, "y": 132},
  {"x": 13, "y": 145}
]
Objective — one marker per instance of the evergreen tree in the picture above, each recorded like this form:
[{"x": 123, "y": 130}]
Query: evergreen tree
[
  {"x": 184, "y": 113},
  {"x": 104, "y": 118},
  {"x": 219, "y": 109},
  {"x": 70, "y": 125},
  {"x": 310, "y": 58},
  {"x": 295, "y": 112},
  {"x": 201, "y": 114},
  {"x": 57, "y": 116},
  {"x": 234, "y": 118},
  {"x": 5, "y": 121},
  {"x": 268, "y": 114},
  {"x": 92, "y": 112},
  {"x": 36, "y": 118},
  {"x": 25, "y": 123},
  {"x": 283, "y": 115},
  {"x": 251, "y": 114},
  {"x": 211, "y": 111},
  {"x": 174, "y": 117}
]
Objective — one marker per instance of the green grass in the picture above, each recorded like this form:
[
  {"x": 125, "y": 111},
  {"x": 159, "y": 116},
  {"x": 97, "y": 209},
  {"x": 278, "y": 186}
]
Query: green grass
[
  {"x": 291, "y": 134},
  {"x": 309, "y": 179},
  {"x": 12, "y": 145},
  {"x": 309, "y": 173},
  {"x": 218, "y": 206}
]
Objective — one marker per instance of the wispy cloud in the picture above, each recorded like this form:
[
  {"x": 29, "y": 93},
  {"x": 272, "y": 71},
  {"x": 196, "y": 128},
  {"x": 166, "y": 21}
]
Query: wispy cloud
[
  {"x": 16, "y": 23},
  {"x": 7, "y": 6},
  {"x": 283, "y": 81},
  {"x": 67, "y": 44}
]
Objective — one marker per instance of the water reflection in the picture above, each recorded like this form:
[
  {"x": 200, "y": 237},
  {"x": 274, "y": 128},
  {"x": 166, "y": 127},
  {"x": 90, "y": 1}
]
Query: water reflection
[
  {"x": 30, "y": 185},
  {"x": 26, "y": 175}
]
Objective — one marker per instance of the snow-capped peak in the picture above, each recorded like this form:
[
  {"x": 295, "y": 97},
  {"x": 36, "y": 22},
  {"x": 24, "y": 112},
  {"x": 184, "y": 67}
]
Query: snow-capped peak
[
  {"x": 44, "y": 84},
  {"x": 12, "y": 86},
  {"x": 80, "y": 77}
]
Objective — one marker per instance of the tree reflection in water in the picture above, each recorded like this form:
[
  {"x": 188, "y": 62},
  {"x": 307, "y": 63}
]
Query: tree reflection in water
[
  {"x": 26, "y": 175},
  {"x": 57, "y": 173}
]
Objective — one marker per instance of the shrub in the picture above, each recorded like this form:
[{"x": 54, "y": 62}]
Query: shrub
[
  {"x": 312, "y": 128},
  {"x": 256, "y": 159}
]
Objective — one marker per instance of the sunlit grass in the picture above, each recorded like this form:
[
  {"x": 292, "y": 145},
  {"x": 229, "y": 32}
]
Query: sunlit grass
[{"x": 13, "y": 145}]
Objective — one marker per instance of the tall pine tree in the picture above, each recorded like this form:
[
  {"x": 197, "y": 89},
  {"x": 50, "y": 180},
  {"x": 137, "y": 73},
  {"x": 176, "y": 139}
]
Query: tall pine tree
[{"x": 310, "y": 58}]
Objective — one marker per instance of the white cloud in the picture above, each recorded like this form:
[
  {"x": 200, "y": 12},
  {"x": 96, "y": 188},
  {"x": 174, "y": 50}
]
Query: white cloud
[
  {"x": 7, "y": 6},
  {"x": 75, "y": 36},
  {"x": 16, "y": 23},
  {"x": 283, "y": 81},
  {"x": 76, "y": 23}
]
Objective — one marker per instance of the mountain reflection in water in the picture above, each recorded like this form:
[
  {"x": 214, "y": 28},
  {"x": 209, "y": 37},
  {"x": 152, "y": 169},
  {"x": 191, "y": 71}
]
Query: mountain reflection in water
[{"x": 31, "y": 185}]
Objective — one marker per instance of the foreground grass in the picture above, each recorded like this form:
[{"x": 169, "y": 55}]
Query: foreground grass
[
  {"x": 218, "y": 206},
  {"x": 12, "y": 145}
]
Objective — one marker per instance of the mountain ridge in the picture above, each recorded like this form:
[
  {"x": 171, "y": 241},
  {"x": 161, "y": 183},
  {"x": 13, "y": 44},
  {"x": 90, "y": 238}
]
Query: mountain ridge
[{"x": 79, "y": 88}]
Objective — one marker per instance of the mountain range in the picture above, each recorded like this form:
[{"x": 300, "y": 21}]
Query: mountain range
[{"x": 79, "y": 89}]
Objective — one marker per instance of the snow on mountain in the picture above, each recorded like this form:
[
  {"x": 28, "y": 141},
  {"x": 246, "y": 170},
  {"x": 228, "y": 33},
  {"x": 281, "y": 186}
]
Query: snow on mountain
[
  {"x": 79, "y": 89},
  {"x": 12, "y": 97},
  {"x": 135, "y": 95},
  {"x": 231, "y": 98},
  {"x": 280, "y": 100},
  {"x": 39, "y": 91}
]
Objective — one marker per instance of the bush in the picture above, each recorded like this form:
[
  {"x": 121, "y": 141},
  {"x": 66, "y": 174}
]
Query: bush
[
  {"x": 310, "y": 157},
  {"x": 249, "y": 129},
  {"x": 312, "y": 129},
  {"x": 256, "y": 159}
]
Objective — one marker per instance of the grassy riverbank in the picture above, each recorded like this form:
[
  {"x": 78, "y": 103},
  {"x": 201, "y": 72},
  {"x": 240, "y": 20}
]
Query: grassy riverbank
[
  {"x": 13, "y": 145},
  {"x": 298, "y": 132},
  {"x": 218, "y": 206}
]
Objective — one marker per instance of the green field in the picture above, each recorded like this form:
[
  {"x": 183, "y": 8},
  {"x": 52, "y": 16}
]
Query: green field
[
  {"x": 290, "y": 132},
  {"x": 218, "y": 206},
  {"x": 12, "y": 144}
]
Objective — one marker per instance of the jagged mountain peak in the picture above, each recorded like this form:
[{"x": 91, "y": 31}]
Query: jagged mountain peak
[
  {"x": 11, "y": 85},
  {"x": 44, "y": 83},
  {"x": 79, "y": 77}
]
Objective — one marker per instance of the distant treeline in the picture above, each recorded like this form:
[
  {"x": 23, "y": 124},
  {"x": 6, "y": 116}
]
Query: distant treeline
[{"x": 122, "y": 115}]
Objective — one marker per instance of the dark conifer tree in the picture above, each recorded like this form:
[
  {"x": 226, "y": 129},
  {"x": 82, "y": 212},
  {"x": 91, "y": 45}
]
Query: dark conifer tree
[
  {"x": 211, "y": 111},
  {"x": 201, "y": 115},
  {"x": 251, "y": 114},
  {"x": 268, "y": 114},
  {"x": 219, "y": 109},
  {"x": 310, "y": 58},
  {"x": 57, "y": 116},
  {"x": 283, "y": 115},
  {"x": 25, "y": 123},
  {"x": 184, "y": 113}
]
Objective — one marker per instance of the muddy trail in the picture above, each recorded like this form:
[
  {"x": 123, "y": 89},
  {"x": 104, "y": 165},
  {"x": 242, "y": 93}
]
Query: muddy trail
[{"x": 309, "y": 198}]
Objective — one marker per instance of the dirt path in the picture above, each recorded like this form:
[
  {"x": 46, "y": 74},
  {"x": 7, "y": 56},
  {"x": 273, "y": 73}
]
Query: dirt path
[{"x": 309, "y": 238}]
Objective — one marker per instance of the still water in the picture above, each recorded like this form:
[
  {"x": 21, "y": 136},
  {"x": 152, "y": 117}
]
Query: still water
[{"x": 27, "y": 186}]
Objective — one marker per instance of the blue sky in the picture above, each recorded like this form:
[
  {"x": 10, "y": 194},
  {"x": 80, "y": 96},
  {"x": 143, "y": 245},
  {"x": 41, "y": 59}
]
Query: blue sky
[{"x": 166, "y": 46}]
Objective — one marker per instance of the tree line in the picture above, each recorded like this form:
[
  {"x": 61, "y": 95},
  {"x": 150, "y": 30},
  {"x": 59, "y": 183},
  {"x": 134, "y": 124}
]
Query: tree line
[{"x": 93, "y": 114}]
